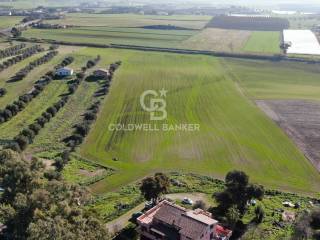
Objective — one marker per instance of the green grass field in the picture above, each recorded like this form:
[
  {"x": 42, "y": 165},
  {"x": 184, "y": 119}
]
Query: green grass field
[
  {"x": 132, "y": 20},
  {"x": 9, "y": 21},
  {"x": 106, "y": 35},
  {"x": 234, "y": 133},
  {"x": 263, "y": 42},
  {"x": 212, "y": 92},
  {"x": 274, "y": 80}
]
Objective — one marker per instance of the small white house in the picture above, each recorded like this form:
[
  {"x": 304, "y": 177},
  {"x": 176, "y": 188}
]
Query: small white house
[{"x": 63, "y": 72}]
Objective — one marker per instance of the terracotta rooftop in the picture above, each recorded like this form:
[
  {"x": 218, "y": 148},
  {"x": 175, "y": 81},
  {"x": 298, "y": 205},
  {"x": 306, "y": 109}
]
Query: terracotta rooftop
[
  {"x": 169, "y": 213},
  {"x": 190, "y": 223}
]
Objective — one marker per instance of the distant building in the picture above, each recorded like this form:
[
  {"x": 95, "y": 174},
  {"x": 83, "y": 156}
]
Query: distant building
[
  {"x": 63, "y": 72},
  {"x": 101, "y": 73},
  {"x": 172, "y": 222}
]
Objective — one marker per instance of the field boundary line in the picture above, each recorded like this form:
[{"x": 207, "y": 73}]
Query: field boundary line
[{"x": 264, "y": 57}]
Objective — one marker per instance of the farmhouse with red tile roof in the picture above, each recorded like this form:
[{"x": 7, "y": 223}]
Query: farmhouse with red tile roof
[{"x": 172, "y": 222}]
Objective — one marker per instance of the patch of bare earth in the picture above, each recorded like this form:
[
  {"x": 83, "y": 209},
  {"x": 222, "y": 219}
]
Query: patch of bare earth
[
  {"x": 300, "y": 120},
  {"x": 218, "y": 40},
  {"x": 87, "y": 173}
]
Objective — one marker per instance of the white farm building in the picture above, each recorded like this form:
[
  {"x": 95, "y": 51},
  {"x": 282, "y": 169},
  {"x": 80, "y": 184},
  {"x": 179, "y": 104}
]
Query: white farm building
[{"x": 63, "y": 72}]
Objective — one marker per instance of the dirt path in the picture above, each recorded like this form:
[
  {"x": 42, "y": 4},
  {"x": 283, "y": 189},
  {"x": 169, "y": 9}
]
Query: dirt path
[{"x": 119, "y": 223}]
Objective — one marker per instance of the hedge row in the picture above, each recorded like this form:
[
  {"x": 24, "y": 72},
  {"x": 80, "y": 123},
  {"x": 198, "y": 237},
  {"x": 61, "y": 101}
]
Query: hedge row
[
  {"x": 104, "y": 88},
  {"x": 10, "y": 51},
  {"x": 12, "y": 109},
  {"x": 91, "y": 63},
  {"x": 26, "y": 136},
  {"x": 26, "y": 50},
  {"x": 28, "y": 53},
  {"x": 61, "y": 161},
  {"x": 83, "y": 128},
  {"x": 42, "y": 60},
  {"x": 67, "y": 61},
  {"x": 74, "y": 84},
  {"x": 3, "y": 92},
  {"x": 17, "y": 106}
]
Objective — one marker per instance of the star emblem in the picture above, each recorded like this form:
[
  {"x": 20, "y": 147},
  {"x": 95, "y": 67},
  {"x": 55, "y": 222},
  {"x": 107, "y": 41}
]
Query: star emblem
[{"x": 163, "y": 92}]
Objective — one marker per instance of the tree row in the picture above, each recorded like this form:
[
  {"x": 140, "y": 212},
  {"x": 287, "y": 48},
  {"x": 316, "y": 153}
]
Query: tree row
[
  {"x": 42, "y": 60},
  {"x": 13, "y": 109},
  {"x": 26, "y": 136},
  {"x": 10, "y": 51},
  {"x": 27, "y": 53},
  {"x": 82, "y": 129},
  {"x": 104, "y": 87},
  {"x": 73, "y": 85}
]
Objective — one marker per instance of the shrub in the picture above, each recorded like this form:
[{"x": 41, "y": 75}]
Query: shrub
[
  {"x": 259, "y": 212},
  {"x": 89, "y": 116},
  {"x": 22, "y": 141},
  {"x": 200, "y": 204},
  {"x": 52, "y": 111},
  {"x": 47, "y": 116},
  {"x": 15, "y": 147},
  {"x": 13, "y": 108},
  {"x": 3, "y": 92},
  {"x": 29, "y": 133},
  {"x": 21, "y": 104},
  {"x": 82, "y": 129},
  {"x": 42, "y": 121},
  {"x": 7, "y": 114},
  {"x": 52, "y": 174},
  {"x": 35, "y": 127},
  {"x": 65, "y": 155}
]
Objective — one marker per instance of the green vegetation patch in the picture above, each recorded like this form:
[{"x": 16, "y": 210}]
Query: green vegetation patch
[
  {"x": 265, "y": 42},
  {"x": 82, "y": 171},
  {"x": 9, "y": 21},
  {"x": 234, "y": 133},
  {"x": 107, "y": 35},
  {"x": 276, "y": 80},
  {"x": 132, "y": 20},
  {"x": 114, "y": 204}
]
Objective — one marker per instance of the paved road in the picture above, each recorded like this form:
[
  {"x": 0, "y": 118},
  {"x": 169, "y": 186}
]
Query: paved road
[
  {"x": 119, "y": 223},
  {"x": 7, "y": 31}
]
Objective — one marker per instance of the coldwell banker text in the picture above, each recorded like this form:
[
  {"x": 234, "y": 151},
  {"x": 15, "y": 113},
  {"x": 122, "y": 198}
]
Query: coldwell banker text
[
  {"x": 156, "y": 107},
  {"x": 186, "y": 127}
]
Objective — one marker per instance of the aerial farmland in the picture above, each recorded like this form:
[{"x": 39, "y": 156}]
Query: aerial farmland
[{"x": 107, "y": 110}]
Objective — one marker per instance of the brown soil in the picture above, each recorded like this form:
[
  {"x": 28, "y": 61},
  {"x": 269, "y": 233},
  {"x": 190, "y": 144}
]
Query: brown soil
[
  {"x": 300, "y": 120},
  {"x": 91, "y": 174},
  {"x": 218, "y": 40}
]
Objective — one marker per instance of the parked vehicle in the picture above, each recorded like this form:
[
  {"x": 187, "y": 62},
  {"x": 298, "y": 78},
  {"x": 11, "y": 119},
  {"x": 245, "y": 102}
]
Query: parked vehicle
[{"x": 187, "y": 201}]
